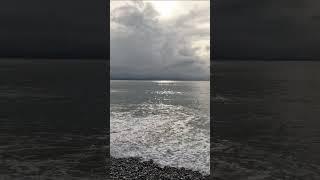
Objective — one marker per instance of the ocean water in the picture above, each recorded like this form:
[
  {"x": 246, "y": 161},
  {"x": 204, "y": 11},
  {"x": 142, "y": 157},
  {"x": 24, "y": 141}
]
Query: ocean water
[
  {"x": 166, "y": 121},
  {"x": 266, "y": 120},
  {"x": 52, "y": 119}
]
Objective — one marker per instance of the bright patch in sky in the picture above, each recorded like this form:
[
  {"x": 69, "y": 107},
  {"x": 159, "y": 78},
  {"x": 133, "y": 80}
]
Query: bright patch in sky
[{"x": 165, "y": 9}]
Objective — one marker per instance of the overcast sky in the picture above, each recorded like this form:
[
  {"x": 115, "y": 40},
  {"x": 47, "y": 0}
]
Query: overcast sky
[
  {"x": 267, "y": 29},
  {"x": 53, "y": 28},
  {"x": 160, "y": 39}
]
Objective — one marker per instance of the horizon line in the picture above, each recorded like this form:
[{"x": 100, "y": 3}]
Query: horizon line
[
  {"x": 157, "y": 80},
  {"x": 253, "y": 59}
]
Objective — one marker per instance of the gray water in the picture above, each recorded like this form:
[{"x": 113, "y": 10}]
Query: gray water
[
  {"x": 266, "y": 120},
  {"x": 166, "y": 121},
  {"x": 52, "y": 119}
]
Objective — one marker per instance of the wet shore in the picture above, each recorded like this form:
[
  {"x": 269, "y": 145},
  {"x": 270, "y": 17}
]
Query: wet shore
[{"x": 134, "y": 168}]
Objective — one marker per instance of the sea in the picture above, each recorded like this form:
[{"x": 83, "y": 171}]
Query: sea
[
  {"x": 52, "y": 119},
  {"x": 164, "y": 121},
  {"x": 266, "y": 120}
]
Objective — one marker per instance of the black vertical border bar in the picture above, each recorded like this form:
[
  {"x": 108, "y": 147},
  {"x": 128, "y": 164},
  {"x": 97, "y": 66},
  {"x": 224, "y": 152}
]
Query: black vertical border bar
[
  {"x": 212, "y": 83},
  {"x": 107, "y": 89}
]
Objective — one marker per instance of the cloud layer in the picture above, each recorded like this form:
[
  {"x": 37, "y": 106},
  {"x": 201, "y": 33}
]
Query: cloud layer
[
  {"x": 53, "y": 28},
  {"x": 267, "y": 29},
  {"x": 144, "y": 46}
]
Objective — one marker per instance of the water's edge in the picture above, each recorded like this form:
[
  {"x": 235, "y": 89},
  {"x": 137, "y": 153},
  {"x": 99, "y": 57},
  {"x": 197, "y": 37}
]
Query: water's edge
[{"x": 135, "y": 168}]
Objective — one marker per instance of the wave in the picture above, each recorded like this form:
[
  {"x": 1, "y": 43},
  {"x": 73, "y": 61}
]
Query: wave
[
  {"x": 168, "y": 134},
  {"x": 220, "y": 99},
  {"x": 233, "y": 160}
]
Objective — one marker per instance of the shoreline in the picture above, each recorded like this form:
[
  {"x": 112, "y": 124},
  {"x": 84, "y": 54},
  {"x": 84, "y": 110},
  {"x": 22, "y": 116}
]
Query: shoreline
[{"x": 135, "y": 168}]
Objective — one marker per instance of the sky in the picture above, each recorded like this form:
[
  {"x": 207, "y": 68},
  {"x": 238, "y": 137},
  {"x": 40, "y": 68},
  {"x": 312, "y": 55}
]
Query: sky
[
  {"x": 160, "y": 40},
  {"x": 53, "y": 28},
  {"x": 266, "y": 29}
]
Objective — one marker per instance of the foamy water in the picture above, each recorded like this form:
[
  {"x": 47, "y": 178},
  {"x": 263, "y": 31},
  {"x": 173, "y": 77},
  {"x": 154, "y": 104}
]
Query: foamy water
[
  {"x": 167, "y": 122},
  {"x": 51, "y": 124},
  {"x": 266, "y": 123}
]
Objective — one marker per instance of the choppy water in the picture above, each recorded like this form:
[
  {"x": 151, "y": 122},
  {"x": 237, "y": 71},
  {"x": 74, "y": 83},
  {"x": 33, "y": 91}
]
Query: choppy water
[
  {"x": 52, "y": 119},
  {"x": 266, "y": 120},
  {"x": 166, "y": 121}
]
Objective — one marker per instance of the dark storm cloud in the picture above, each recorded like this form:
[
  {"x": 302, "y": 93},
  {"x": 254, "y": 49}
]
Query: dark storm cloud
[
  {"x": 53, "y": 28},
  {"x": 267, "y": 29}
]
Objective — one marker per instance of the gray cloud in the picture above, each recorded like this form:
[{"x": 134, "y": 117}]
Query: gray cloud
[
  {"x": 53, "y": 28},
  {"x": 267, "y": 29},
  {"x": 143, "y": 47}
]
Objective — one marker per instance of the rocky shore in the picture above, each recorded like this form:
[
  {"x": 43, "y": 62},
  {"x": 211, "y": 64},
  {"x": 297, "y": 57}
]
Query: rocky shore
[{"x": 134, "y": 168}]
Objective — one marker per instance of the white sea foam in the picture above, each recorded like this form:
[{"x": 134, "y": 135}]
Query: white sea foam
[{"x": 169, "y": 134}]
